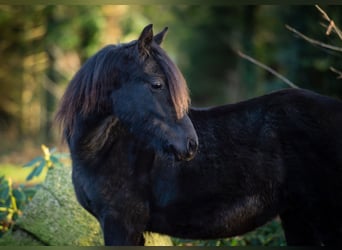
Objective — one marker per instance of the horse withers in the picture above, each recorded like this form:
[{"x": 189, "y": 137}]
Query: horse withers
[{"x": 144, "y": 161}]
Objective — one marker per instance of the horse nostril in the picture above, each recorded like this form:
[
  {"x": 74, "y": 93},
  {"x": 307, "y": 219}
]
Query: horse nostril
[
  {"x": 172, "y": 149},
  {"x": 182, "y": 154},
  {"x": 192, "y": 147}
]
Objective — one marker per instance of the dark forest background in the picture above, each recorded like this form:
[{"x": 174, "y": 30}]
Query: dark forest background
[{"x": 41, "y": 47}]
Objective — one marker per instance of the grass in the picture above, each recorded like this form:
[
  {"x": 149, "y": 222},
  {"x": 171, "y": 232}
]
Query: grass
[{"x": 270, "y": 234}]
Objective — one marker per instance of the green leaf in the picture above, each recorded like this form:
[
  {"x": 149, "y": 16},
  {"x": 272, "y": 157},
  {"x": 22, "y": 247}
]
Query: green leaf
[
  {"x": 4, "y": 193},
  {"x": 7, "y": 203},
  {"x": 36, "y": 171},
  {"x": 34, "y": 162},
  {"x": 39, "y": 169},
  {"x": 15, "y": 216},
  {"x": 55, "y": 161},
  {"x": 31, "y": 175},
  {"x": 30, "y": 191},
  {"x": 19, "y": 195}
]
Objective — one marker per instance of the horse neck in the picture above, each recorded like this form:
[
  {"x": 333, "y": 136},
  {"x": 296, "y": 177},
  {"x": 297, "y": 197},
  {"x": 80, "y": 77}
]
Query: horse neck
[
  {"x": 99, "y": 133},
  {"x": 107, "y": 143},
  {"x": 91, "y": 133}
]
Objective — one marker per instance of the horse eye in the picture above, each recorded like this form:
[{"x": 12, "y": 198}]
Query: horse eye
[{"x": 157, "y": 85}]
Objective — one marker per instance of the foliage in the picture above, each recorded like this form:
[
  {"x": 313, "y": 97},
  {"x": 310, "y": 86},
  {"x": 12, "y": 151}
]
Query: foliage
[
  {"x": 49, "y": 159},
  {"x": 13, "y": 199},
  {"x": 270, "y": 234},
  {"x": 9, "y": 198},
  {"x": 42, "y": 46}
]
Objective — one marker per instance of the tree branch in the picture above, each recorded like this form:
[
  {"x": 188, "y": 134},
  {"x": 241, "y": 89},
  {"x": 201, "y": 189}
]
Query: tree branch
[
  {"x": 331, "y": 26},
  {"x": 313, "y": 41},
  {"x": 272, "y": 71},
  {"x": 339, "y": 73}
]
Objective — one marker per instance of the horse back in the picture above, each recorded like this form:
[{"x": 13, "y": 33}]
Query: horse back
[{"x": 294, "y": 134}]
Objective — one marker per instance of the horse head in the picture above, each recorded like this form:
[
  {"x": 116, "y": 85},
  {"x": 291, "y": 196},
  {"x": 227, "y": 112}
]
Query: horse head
[
  {"x": 137, "y": 83},
  {"x": 152, "y": 101}
]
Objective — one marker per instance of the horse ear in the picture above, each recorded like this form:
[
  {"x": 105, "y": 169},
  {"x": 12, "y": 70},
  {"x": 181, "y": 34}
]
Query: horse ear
[
  {"x": 160, "y": 36},
  {"x": 145, "y": 39}
]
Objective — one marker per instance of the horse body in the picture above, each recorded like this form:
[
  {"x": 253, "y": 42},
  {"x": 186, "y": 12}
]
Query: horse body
[
  {"x": 133, "y": 145},
  {"x": 271, "y": 155}
]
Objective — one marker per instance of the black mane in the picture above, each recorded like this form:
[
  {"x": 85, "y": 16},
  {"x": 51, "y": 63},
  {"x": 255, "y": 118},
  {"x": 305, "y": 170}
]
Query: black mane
[{"x": 89, "y": 89}]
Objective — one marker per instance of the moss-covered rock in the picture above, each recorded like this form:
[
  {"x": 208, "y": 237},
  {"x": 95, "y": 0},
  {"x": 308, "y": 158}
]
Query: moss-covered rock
[
  {"x": 19, "y": 238},
  {"x": 55, "y": 218}
]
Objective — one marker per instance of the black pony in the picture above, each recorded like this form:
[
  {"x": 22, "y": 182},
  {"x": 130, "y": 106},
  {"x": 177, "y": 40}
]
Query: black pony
[{"x": 144, "y": 161}]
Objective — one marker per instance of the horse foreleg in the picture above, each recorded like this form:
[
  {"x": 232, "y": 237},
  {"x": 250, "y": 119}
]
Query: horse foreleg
[{"x": 117, "y": 233}]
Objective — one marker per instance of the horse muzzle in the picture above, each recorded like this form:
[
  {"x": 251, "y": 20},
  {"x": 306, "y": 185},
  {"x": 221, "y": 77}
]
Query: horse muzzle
[{"x": 187, "y": 152}]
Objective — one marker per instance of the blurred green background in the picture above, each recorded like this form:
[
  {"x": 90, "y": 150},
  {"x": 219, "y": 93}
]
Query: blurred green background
[{"x": 42, "y": 47}]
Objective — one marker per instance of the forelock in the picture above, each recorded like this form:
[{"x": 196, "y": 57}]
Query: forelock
[{"x": 177, "y": 84}]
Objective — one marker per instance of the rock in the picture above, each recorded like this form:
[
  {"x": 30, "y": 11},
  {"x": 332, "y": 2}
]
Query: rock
[
  {"x": 55, "y": 218},
  {"x": 19, "y": 238}
]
